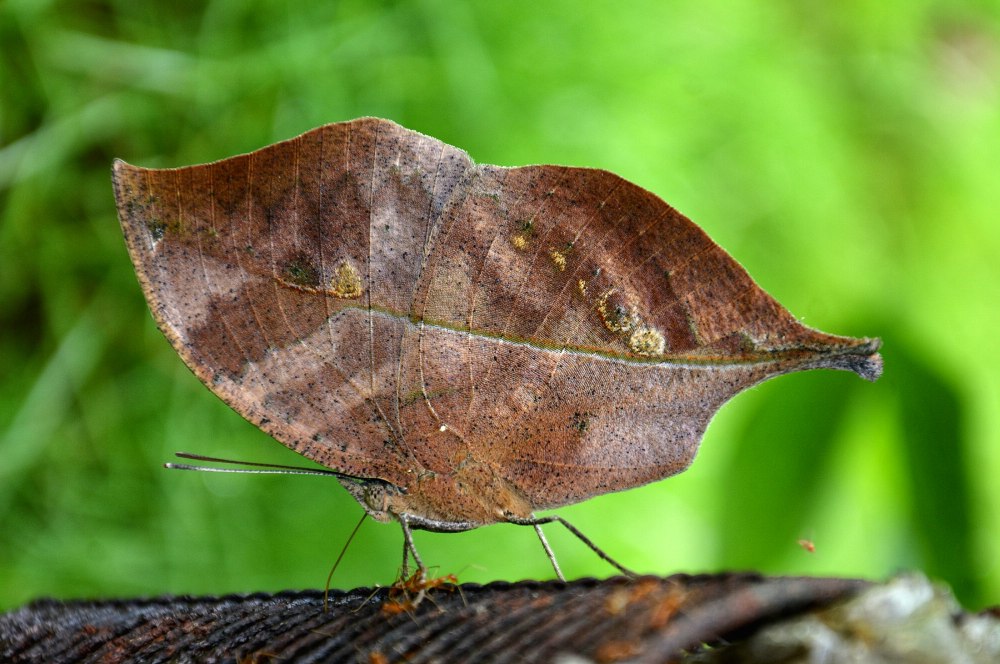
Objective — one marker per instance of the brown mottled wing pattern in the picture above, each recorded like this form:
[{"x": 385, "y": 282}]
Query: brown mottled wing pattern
[
  {"x": 376, "y": 302},
  {"x": 607, "y": 330},
  {"x": 272, "y": 274}
]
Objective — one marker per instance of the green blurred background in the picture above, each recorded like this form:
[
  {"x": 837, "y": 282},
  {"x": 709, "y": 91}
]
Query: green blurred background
[{"x": 848, "y": 154}]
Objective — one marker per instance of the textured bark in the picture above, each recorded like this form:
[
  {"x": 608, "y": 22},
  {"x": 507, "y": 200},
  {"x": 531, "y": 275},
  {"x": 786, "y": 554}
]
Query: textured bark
[
  {"x": 743, "y": 618},
  {"x": 655, "y": 619}
]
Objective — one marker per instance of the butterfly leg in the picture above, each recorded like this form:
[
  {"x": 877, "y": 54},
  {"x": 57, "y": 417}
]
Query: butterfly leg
[
  {"x": 549, "y": 552},
  {"x": 409, "y": 548},
  {"x": 404, "y": 571},
  {"x": 329, "y": 577},
  {"x": 539, "y": 521}
]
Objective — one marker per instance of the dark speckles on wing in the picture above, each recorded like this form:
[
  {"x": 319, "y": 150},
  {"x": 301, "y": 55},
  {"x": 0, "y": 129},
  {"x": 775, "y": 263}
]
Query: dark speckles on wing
[{"x": 300, "y": 271}]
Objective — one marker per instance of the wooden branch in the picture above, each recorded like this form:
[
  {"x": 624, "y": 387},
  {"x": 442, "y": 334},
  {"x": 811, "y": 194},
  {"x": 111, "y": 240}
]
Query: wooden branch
[{"x": 650, "y": 619}]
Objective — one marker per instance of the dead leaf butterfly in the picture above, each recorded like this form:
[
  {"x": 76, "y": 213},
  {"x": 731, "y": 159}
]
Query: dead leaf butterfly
[{"x": 459, "y": 344}]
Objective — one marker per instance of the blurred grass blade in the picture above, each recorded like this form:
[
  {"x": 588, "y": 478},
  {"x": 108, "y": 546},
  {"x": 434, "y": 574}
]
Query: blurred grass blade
[
  {"x": 50, "y": 398},
  {"x": 931, "y": 418},
  {"x": 781, "y": 456}
]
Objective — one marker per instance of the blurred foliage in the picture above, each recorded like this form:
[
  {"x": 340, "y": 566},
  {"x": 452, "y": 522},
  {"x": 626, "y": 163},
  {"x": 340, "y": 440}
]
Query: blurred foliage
[{"x": 845, "y": 153}]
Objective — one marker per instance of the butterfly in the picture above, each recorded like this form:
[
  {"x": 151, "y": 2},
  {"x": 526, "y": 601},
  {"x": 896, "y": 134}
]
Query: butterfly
[{"x": 459, "y": 344}]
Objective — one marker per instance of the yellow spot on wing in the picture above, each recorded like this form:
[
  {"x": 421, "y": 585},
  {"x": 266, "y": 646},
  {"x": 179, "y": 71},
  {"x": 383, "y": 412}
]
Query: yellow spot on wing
[
  {"x": 558, "y": 259},
  {"x": 346, "y": 283},
  {"x": 525, "y": 229},
  {"x": 646, "y": 341},
  {"x": 614, "y": 317},
  {"x": 640, "y": 338}
]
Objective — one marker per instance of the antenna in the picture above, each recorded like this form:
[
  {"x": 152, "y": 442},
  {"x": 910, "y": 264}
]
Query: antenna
[{"x": 255, "y": 468}]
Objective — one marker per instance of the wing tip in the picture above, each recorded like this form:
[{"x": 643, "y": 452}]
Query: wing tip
[{"x": 861, "y": 357}]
